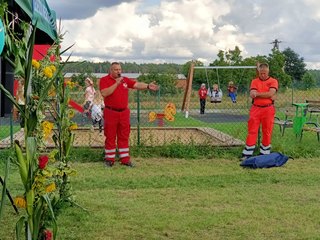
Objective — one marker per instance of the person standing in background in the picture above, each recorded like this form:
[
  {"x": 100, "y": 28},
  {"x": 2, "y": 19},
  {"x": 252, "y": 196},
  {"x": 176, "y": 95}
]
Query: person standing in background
[
  {"x": 20, "y": 100},
  {"x": 88, "y": 96},
  {"x": 96, "y": 111},
  {"x": 263, "y": 91},
  {"x": 203, "y": 97},
  {"x": 115, "y": 90}
]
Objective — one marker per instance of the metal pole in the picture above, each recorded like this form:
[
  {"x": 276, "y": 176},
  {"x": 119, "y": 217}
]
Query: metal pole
[
  {"x": 9, "y": 196},
  {"x": 11, "y": 131},
  {"x": 292, "y": 84},
  {"x": 158, "y": 97},
  {"x": 138, "y": 116},
  {"x": 224, "y": 67}
]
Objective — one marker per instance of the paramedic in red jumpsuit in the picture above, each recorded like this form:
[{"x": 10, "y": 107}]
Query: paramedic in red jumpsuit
[
  {"x": 263, "y": 93},
  {"x": 115, "y": 90}
]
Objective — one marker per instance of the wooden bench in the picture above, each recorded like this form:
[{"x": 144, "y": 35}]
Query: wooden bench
[
  {"x": 313, "y": 107},
  {"x": 287, "y": 122},
  {"x": 311, "y": 127}
]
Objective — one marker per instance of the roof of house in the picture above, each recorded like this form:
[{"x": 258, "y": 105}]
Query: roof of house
[{"x": 128, "y": 75}]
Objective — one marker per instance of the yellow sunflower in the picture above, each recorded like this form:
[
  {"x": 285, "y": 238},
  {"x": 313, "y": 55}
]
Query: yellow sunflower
[
  {"x": 47, "y": 71},
  {"x": 20, "y": 202},
  {"x": 47, "y": 128},
  {"x": 35, "y": 64},
  {"x": 73, "y": 126},
  {"x": 50, "y": 188}
]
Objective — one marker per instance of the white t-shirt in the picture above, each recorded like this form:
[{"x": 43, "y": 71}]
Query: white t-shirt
[{"x": 96, "y": 112}]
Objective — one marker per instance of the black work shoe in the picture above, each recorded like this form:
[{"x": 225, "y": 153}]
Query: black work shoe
[
  {"x": 109, "y": 163},
  {"x": 128, "y": 164}
]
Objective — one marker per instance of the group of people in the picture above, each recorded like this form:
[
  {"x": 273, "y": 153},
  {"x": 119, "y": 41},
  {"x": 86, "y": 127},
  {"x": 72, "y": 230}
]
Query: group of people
[
  {"x": 114, "y": 89},
  {"x": 263, "y": 91},
  {"x": 93, "y": 104},
  {"x": 215, "y": 94}
]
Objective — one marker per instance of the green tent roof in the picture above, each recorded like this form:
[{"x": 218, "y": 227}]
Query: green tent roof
[{"x": 38, "y": 10}]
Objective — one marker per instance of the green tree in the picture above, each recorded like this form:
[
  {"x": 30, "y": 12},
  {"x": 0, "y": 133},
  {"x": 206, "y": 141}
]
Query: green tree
[
  {"x": 199, "y": 75},
  {"x": 276, "y": 61},
  {"x": 308, "y": 81},
  {"x": 167, "y": 82},
  {"x": 316, "y": 75},
  {"x": 240, "y": 77},
  {"x": 294, "y": 64},
  {"x": 79, "y": 78}
]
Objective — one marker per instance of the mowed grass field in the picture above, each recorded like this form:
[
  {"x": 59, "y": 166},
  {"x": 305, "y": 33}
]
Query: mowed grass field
[{"x": 169, "y": 198}]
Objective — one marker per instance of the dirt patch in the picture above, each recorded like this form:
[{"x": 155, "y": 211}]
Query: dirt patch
[{"x": 196, "y": 136}]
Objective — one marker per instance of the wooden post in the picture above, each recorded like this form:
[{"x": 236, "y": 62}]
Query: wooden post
[{"x": 187, "y": 93}]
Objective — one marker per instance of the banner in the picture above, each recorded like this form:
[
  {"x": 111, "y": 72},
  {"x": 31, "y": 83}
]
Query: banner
[{"x": 39, "y": 11}]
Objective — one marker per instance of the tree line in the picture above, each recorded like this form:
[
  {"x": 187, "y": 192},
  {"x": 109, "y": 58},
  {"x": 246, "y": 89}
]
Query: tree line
[{"x": 287, "y": 66}]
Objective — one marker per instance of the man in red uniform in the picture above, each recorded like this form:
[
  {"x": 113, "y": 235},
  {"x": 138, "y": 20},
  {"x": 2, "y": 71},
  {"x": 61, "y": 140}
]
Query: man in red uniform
[
  {"x": 115, "y": 90},
  {"x": 263, "y": 93},
  {"x": 202, "y": 96}
]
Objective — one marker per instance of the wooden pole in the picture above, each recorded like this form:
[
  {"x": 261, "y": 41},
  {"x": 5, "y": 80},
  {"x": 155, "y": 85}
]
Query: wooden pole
[{"x": 187, "y": 93}]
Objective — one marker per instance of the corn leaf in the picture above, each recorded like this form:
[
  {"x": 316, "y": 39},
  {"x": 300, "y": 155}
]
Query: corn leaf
[
  {"x": 4, "y": 189},
  {"x": 20, "y": 226},
  {"x": 54, "y": 223},
  {"x": 37, "y": 214}
]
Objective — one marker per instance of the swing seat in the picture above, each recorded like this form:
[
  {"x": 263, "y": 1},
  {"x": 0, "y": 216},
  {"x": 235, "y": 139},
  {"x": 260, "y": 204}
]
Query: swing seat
[{"x": 215, "y": 100}]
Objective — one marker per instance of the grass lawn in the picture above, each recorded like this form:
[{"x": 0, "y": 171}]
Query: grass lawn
[
  {"x": 187, "y": 199},
  {"x": 5, "y": 131}
]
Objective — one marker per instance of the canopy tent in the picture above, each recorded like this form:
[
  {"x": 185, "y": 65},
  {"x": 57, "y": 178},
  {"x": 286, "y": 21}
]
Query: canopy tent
[
  {"x": 39, "y": 11},
  {"x": 36, "y": 11},
  {"x": 40, "y": 50}
]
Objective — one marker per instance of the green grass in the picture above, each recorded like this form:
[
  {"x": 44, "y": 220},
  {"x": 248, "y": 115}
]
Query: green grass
[
  {"x": 188, "y": 199},
  {"x": 5, "y": 131}
]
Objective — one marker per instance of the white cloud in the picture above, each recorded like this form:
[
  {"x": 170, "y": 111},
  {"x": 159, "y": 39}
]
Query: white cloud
[{"x": 181, "y": 30}]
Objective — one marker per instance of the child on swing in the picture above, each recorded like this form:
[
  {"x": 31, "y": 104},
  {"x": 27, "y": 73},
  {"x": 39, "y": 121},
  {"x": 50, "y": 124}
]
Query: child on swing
[
  {"x": 232, "y": 90},
  {"x": 216, "y": 94}
]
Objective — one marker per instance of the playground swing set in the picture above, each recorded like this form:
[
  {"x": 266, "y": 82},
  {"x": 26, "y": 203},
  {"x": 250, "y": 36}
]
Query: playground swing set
[{"x": 215, "y": 94}]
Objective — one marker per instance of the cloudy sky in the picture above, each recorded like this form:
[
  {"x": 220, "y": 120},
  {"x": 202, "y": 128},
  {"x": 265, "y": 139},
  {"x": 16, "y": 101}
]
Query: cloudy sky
[{"x": 176, "y": 31}]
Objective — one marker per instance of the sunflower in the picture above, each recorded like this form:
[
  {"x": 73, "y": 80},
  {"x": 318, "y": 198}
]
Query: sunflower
[
  {"x": 50, "y": 188},
  {"x": 47, "y": 71},
  {"x": 47, "y": 128},
  {"x": 71, "y": 113},
  {"x": 35, "y": 64},
  {"x": 73, "y": 126},
  {"x": 20, "y": 202}
]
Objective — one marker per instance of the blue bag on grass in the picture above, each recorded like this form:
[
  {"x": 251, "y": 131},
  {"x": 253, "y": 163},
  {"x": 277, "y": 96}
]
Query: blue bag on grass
[{"x": 274, "y": 159}]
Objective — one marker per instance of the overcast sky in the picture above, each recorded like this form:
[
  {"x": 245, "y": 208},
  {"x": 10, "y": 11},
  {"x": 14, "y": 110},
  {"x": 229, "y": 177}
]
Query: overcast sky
[{"x": 177, "y": 31}]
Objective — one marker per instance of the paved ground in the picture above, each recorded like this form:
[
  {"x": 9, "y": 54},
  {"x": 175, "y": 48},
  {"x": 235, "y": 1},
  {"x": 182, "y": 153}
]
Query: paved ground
[
  {"x": 220, "y": 117},
  {"x": 152, "y": 136}
]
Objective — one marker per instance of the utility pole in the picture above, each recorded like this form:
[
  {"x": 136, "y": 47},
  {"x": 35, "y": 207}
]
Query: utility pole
[{"x": 276, "y": 44}]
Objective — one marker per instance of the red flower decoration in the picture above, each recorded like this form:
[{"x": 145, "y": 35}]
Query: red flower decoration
[
  {"x": 47, "y": 234},
  {"x": 52, "y": 58},
  {"x": 43, "y": 160}
]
